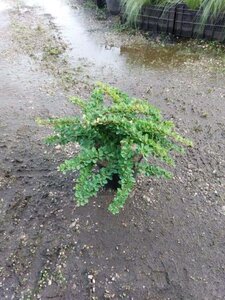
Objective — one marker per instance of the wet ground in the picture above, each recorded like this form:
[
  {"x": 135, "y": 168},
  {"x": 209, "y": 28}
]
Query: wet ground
[{"x": 168, "y": 243}]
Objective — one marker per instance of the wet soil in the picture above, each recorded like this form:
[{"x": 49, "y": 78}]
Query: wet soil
[{"x": 168, "y": 242}]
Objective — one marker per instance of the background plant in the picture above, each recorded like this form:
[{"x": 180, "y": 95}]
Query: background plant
[
  {"x": 207, "y": 8},
  {"x": 118, "y": 135}
]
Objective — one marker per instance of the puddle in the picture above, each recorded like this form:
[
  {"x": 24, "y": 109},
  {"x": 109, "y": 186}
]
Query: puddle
[
  {"x": 158, "y": 57},
  {"x": 3, "y": 15},
  {"x": 72, "y": 24},
  {"x": 3, "y": 6},
  {"x": 84, "y": 46}
]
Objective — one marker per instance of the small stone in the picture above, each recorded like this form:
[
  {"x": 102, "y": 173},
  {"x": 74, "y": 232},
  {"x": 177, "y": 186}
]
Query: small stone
[
  {"x": 223, "y": 210},
  {"x": 73, "y": 224}
]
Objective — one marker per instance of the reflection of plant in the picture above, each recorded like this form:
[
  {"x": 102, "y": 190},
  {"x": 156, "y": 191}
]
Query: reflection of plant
[{"x": 119, "y": 137}]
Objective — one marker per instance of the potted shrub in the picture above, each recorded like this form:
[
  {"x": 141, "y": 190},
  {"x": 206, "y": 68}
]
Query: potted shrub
[{"x": 117, "y": 134}]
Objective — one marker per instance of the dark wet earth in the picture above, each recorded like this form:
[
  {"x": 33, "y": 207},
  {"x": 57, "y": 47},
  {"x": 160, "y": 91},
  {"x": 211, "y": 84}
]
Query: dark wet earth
[{"x": 169, "y": 241}]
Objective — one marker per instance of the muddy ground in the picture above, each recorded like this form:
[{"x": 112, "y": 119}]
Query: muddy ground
[{"x": 169, "y": 241}]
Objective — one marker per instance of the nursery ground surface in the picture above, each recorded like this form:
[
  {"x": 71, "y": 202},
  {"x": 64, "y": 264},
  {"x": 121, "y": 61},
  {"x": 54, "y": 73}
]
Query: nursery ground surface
[{"x": 169, "y": 241}]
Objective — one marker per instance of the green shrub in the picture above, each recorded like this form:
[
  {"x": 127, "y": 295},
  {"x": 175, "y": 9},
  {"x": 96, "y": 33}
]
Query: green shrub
[{"x": 118, "y": 133}]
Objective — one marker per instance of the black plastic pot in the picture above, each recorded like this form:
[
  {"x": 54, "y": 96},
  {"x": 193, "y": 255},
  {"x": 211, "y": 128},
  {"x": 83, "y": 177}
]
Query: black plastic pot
[
  {"x": 181, "y": 21},
  {"x": 113, "y": 6},
  {"x": 156, "y": 19},
  {"x": 215, "y": 29},
  {"x": 100, "y": 3},
  {"x": 185, "y": 22},
  {"x": 114, "y": 182},
  {"x": 188, "y": 24}
]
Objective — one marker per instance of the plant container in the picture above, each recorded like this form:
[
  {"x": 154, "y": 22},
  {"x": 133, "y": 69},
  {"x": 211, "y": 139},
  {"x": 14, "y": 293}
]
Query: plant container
[
  {"x": 113, "y": 6},
  {"x": 181, "y": 21}
]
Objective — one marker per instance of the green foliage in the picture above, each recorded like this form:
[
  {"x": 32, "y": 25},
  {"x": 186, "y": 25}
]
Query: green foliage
[
  {"x": 211, "y": 9},
  {"x": 118, "y": 133},
  {"x": 193, "y": 4}
]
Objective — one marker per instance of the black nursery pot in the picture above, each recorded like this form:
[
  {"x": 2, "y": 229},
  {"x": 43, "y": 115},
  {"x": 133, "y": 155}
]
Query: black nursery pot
[
  {"x": 114, "y": 183},
  {"x": 100, "y": 3},
  {"x": 156, "y": 19},
  {"x": 113, "y": 6},
  {"x": 111, "y": 183},
  {"x": 181, "y": 21}
]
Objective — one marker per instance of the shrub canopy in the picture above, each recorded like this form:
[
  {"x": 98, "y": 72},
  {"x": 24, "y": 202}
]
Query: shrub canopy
[{"x": 117, "y": 133}]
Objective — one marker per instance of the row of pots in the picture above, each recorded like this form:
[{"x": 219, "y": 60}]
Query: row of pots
[{"x": 179, "y": 20}]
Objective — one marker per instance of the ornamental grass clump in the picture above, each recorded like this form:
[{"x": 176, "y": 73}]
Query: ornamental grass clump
[
  {"x": 207, "y": 9},
  {"x": 117, "y": 134}
]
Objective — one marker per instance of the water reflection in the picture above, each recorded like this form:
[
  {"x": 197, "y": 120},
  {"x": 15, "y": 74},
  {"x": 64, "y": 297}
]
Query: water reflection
[
  {"x": 3, "y": 6},
  {"x": 158, "y": 56},
  {"x": 3, "y": 16},
  {"x": 72, "y": 24}
]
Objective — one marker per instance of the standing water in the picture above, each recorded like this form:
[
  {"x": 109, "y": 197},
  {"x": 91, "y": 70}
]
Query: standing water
[
  {"x": 73, "y": 25},
  {"x": 3, "y": 16}
]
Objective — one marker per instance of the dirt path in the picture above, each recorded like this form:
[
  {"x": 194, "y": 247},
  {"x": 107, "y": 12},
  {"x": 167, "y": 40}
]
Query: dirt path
[{"x": 168, "y": 243}]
